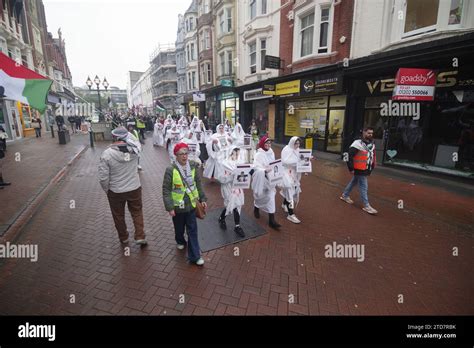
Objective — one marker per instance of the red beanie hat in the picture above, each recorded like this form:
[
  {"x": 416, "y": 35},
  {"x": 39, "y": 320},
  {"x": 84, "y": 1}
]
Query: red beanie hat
[
  {"x": 262, "y": 141},
  {"x": 180, "y": 146}
]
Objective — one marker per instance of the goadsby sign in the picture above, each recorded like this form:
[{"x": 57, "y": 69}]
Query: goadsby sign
[{"x": 414, "y": 84}]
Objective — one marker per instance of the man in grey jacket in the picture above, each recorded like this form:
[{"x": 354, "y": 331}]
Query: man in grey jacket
[{"x": 119, "y": 178}]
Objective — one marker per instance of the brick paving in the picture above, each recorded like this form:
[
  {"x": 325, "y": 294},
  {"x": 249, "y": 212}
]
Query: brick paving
[
  {"x": 40, "y": 159},
  {"x": 407, "y": 252}
]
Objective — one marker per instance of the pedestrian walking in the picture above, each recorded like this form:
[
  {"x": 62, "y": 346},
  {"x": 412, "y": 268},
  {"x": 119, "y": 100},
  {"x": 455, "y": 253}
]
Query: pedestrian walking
[
  {"x": 60, "y": 122},
  {"x": 3, "y": 149},
  {"x": 181, "y": 189},
  {"x": 78, "y": 122},
  {"x": 291, "y": 187},
  {"x": 234, "y": 198},
  {"x": 141, "y": 127},
  {"x": 36, "y": 124},
  {"x": 158, "y": 134},
  {"x": 263, "y": 191},
  {"x": 119, "y": 178},
  {"x": 361, "y": 163},
  {"x": 72, "y": 122},
  {"x": 134, "y": 138}
]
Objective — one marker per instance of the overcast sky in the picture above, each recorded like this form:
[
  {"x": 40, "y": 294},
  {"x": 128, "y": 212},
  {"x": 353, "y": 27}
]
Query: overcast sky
[{"x": 110, "y": 37}]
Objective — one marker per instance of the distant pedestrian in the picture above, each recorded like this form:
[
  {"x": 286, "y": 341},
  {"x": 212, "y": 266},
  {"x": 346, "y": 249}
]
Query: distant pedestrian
[
  {"x": 77, "y": 121},
  {"x": 72, "y": 122},
  {"x": 181, "y": 188},
  {"x": 36, "y": 124},
  {"x": 119, "y": 178},
  {"x": 141, "y": 127},
  {"x": 361, "y": 163}
]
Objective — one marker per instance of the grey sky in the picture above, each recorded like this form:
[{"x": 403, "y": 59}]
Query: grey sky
[{"x": 111, "y": 37}]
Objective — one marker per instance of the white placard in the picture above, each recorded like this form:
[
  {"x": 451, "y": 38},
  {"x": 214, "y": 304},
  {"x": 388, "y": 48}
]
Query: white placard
[
  {"x": 304, "y": 162},
  {"x": 192, "y": 148},
  {"x": 242, "y": 176},
  {"x": 247, "y": 141},
  {"x": 208, "y": 135},
  {"x": 275, "y": 176}
]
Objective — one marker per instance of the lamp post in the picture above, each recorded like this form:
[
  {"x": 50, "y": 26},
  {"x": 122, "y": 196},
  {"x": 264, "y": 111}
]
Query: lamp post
[{"x": 97, "y": 82}]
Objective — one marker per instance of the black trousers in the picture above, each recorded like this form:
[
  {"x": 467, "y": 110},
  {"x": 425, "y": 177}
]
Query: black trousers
[{"x": 236, "y": 216}]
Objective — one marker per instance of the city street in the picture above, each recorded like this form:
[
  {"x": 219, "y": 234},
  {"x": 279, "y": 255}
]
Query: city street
[{"x": 410, "y": 266}]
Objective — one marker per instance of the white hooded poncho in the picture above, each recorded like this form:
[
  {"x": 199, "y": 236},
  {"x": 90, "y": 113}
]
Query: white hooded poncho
[
  {"x": 233, "y": 197},
  {"x": 217, "y": 152},
  {"x": 158, "y": 134},
  {"x": 263, "y": 191},
  {"x": 291, "y": 187}
]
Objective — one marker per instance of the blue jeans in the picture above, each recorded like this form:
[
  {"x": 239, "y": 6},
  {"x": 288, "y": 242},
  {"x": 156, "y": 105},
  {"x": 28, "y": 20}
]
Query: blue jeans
[
  {"x": 363, "y": 188},
  {"x": 188, "y": 220}
]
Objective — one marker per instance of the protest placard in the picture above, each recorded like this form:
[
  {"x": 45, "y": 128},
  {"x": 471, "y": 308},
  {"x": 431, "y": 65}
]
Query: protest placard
[
  {"x": 304, "y": 161},
  {"x": 242, "y": 176}
]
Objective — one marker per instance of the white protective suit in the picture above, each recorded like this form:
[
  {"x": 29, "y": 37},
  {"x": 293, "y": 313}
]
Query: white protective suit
[
  {"x": 291, "y": 187},
  {"x": 263, "y": 192},
  {"x": 158, "y": 134},
  {"x": 233, "y": 197},
  {"x": 218, "y": 152}
]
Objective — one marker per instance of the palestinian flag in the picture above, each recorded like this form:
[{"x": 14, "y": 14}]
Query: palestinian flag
[
  {"x": 159, "y": 106},
  {"x": 22, "y": 84}
]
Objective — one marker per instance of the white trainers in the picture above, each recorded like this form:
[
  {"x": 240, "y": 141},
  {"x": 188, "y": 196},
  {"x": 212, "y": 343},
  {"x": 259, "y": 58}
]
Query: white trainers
[
  {"x": 370, "y": 210},
  {"x": 347, "y": 199},
  {"x": 124, "y": 241},
  {"x": 141, "y": 242},
  {"x": 140, "y": 167},
  {"x": 180, "y": 246},
  {"x": 285, "y": 208},
  {"x": 200, "y": 262},
  {"x": 293, "y": 219}
]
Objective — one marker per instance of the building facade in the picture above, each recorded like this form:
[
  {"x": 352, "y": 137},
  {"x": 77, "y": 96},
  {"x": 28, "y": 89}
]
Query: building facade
[
  {"x": 164, "y": 77},
  {"x": 191, "y": 58},
  {"x": 132, "y": 79},
  {"x": 141, "y": 93}
]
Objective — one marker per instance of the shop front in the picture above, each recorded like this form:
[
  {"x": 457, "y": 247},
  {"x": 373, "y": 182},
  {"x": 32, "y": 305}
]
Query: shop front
[
  {"x": 314, "y": 107},
  {"x": 435, "y": 135},
  {"x": 259, "y": 108},
  {"x": 229, "y": 107}
]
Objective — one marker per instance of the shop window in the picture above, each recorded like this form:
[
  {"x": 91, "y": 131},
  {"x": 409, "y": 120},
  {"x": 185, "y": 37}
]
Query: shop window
[{"x": 421, "y": 15}]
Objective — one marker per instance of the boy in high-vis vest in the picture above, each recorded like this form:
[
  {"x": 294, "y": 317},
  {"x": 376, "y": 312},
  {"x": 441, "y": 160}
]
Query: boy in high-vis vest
[
  {"x": 181, "y": 187},
  {"x": 361, "y": 162}
]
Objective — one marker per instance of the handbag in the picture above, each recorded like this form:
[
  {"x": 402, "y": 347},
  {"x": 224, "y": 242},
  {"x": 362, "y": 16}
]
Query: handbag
[
  {"x": 35, "y": 124},
  {"x": 200, "y": 210}
]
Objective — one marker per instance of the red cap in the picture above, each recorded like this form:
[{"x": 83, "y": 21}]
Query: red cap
[{"x": 180, "y": 146}]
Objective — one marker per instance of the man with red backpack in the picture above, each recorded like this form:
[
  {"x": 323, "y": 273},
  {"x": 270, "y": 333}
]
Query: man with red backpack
[{"x": 361, "y": 163}]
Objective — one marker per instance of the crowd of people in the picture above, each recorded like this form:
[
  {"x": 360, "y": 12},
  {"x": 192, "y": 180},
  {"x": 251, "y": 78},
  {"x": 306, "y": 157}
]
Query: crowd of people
[{"x": 222, "y": 155}]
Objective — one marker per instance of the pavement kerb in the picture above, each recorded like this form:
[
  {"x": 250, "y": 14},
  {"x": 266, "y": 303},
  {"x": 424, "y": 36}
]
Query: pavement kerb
[{"x": 15, "y": 228}]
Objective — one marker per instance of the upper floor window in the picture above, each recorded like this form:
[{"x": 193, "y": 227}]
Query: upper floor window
[
  {"x": 253, "y": 9},
  {"x": 225, "y": 20},
  {"x": 324, "y": 31},
  {"x": 306, "y": 34},
  {"x": 420, "y": 14},
  {"x": 430, "y": 15},
  {"x": 253, "y": 57},
  {"x": 264, "y": 7}
]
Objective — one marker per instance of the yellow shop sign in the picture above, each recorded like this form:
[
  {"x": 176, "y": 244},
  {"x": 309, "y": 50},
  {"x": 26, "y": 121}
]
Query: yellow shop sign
[{"x": 290, "y": 87}]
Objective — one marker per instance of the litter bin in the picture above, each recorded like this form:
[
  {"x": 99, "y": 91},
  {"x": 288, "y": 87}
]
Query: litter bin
[{"x": 64, "y": 137}]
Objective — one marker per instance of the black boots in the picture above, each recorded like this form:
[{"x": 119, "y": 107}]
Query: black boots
[
  {"x": 239, "y": 231},
  {"x": 3, "y": 183},
  {"x": 256, "y": 212},
  {"x": 222, "y": 223},
  {"x": 272, "y": 223}
]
